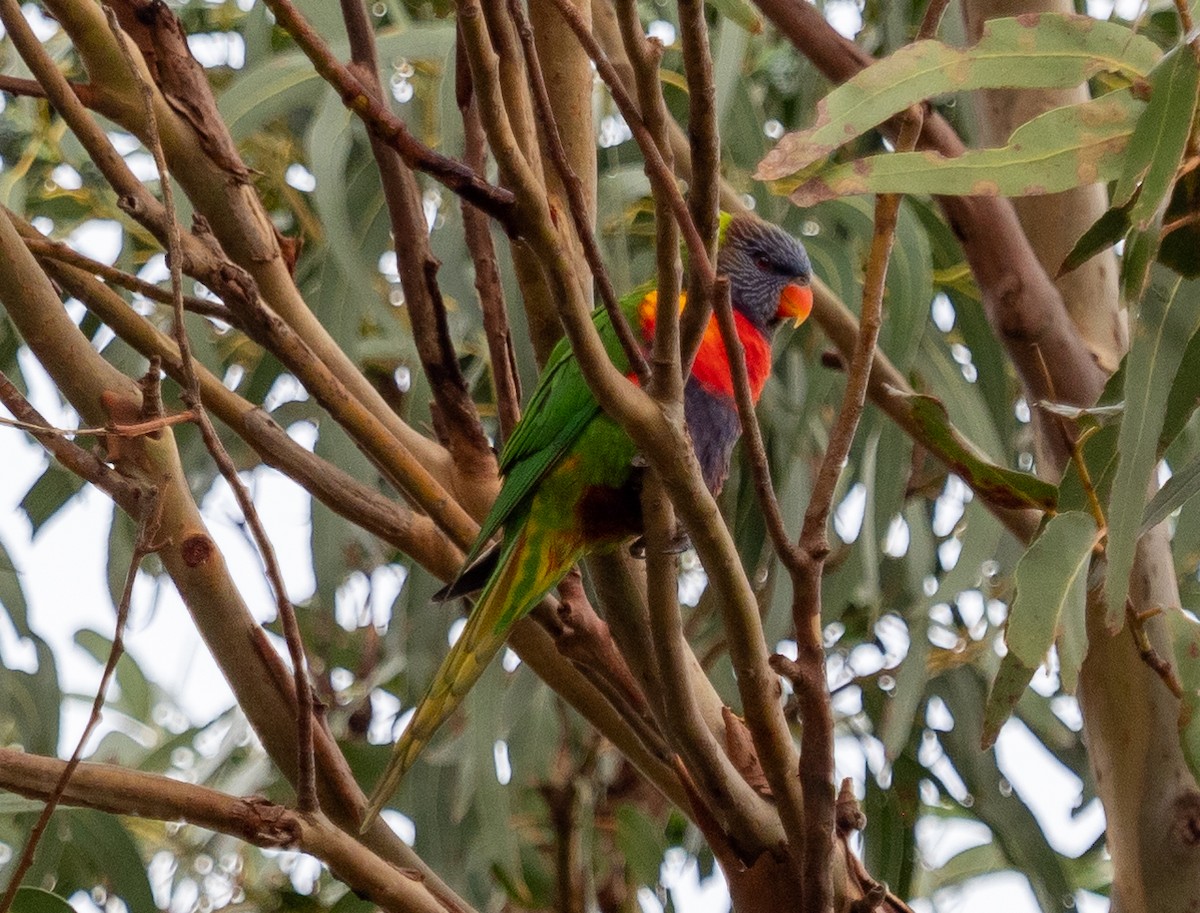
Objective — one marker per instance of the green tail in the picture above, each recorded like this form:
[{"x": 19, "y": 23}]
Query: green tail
[{"x": 528, "y": 568}]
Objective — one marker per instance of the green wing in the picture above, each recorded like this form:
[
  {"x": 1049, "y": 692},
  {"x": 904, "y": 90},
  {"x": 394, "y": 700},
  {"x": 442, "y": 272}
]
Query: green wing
[{"x": 560, "y": 408}]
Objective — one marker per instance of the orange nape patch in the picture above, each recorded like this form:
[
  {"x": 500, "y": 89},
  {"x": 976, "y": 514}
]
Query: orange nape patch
[{"x": 711, "y": 367}]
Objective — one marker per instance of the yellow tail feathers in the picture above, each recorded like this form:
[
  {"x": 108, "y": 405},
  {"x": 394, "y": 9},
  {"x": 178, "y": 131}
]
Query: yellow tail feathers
[{"x": 524, "y": 576}]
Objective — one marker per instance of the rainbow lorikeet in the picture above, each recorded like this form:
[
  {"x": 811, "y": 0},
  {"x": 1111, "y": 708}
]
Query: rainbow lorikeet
[{"x": 570, "y": 479}]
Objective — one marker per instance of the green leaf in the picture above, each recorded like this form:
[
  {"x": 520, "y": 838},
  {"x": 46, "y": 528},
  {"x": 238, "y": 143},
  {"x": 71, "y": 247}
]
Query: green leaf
[
  {"x": 641, "y": 842},
  {"x": 1167, "y": 319},
  {"x": 1063, "y": 148},
  {"x": 35, "y": 900},
  {"x": 739, "y": 12},
  {"x": 1161, "y": 136},
  {"x": 1051, "y": 580},
  {"x": 12, "y": 595},
  {"x": 1014, "y": 828},
  {"x": 1010, "y": 683},
  {"x": 998, "y": 485},
  {"x": 1052, "y": 51},
  {"x": 1107, "y": 231},
  {"x": 49, "y": 494},
  {"x": 1185, "y": 639},
  {"x": 137, "y": 694},
  {"x": 1180, "y": 488},
  {"x": 1184, "y": 395}
]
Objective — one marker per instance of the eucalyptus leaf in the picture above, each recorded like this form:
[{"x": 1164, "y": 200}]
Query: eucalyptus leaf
[
  {"x": 1168, "y": 317},
  {"x": 1064, "y": 148},
  {"x": 1040, "y": 51}
]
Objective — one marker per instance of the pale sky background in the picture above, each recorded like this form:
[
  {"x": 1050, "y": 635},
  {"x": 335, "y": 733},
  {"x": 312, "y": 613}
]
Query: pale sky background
[{"x": 63, "y": 573}]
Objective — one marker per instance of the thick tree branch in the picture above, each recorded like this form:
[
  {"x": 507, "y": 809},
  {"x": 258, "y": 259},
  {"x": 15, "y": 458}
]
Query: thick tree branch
[{"x": 126, "y": 792}]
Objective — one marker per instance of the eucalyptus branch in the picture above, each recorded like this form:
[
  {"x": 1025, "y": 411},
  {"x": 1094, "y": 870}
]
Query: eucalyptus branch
[
  {"x": 736, "y": 808},
  {"x": 817, "y": 771},
  {"x": 199, "y": 259},
  {"x": 307, "y": 778},
  {"x": 661, "y": 177},
  {"x": 255, "y": 820},
  {"x": 647, "y": 55},
  {"x": 704, "y": 143},
  {"x": 46, "y": 248},
  {"x": 82, "y": 462}
]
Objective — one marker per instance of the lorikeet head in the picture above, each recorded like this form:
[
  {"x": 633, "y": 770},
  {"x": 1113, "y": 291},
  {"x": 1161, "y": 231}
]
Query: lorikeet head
[{"x": 768, "y": 272}]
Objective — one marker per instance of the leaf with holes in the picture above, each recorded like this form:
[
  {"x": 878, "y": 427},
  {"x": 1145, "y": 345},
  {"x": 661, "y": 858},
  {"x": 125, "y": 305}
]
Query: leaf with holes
[
  {"x": 1061, "y": 149},
  {"x": 1050, "y": 51}
]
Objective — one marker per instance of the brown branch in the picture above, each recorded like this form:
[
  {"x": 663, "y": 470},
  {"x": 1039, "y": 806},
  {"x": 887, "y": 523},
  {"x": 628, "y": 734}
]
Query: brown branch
[
  {"x": 488, "y": 286},
  {"x": 382, "y": 123},
  {"x": 704, "y": 144},
  {"x": 414, "y": 534},
  {"x": 418, "y": 270},
  {"x": 118, "y": 791},
  {"x": 817, "y": 771},
  {"x": 45, "y": 248},
  {"x": 306, "y": 766},
  {"x": 574, "y": 192},
  {"x": 661, "y": 177},
  {"x": 646, "y": 55}
]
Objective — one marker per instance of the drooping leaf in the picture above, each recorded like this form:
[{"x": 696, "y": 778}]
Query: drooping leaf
[
  {"x": 49, "y": 494},
  {"x": 1161, "y": 136},
  {"x": 1026, "y": 52},
  {"x": 1104, "y": 233},
  {"x": 739, "y": 12},
  {"x": 641, "y": 842},
  {"x": 999, "y": 485},
  {"x": 1184, "y": 395},
  {"x": 1012, "y": 678},
  {"x": 1014, "y": 828},
  {"x": 1168, "y": 317},
  {"x": 1051, "y": 582},
  {"x": 1063, "y": 148},
  {"x": 1178, "y": 490}
]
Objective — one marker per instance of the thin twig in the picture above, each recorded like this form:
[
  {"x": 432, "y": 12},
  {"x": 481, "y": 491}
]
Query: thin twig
[
  {"x": 488, "y": 286},
  {"x": 418, "y": 269},
  {"x": 455, "y": 176},
  {"x": 306, "y": 777},
  {"x": 817, "y": 771},
  {"x": 56, "y": 250},
  {"x": 144, "y": 545},
  {"x": 574, "y": 191},
  {"x": 704, "y": 143}
]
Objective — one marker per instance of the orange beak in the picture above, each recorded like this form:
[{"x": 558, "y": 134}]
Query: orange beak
[{"x": 796, "y": 302}]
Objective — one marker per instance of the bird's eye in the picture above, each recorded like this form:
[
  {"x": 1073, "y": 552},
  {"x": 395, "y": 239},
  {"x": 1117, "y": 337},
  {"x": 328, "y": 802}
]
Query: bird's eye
[{"x": 763, "y": 262}]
